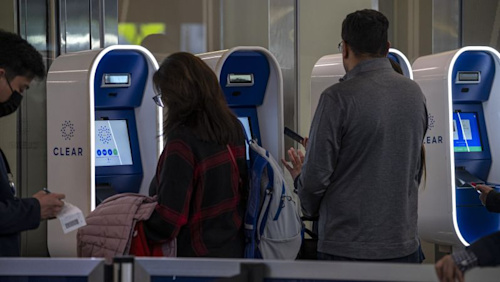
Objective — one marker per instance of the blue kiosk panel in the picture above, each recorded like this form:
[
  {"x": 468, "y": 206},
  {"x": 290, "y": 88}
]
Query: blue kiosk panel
[
  {"x": 119, "y": 88},
  {"x": 473, "y": 75},
  {"x": 120, "y": 80},
  {"x": 243, "y": 79}
]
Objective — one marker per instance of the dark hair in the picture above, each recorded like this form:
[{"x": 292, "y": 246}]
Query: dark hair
[
  {"x": 19, "y": 58},
  {"x": 193, "y": 97},
  {"x": 366, "y": 32}
]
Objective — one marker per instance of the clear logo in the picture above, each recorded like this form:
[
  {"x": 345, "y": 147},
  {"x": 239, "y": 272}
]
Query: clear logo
[
  {"x": 67, "y": 130},
  {"x": 430, "y": 122}
]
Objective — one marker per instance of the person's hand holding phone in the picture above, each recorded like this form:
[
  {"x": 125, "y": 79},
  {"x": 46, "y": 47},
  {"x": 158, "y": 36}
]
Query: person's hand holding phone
[
  {"x": 295, "y": 136},
  {"x": 304, "y": 142},
  {"x": 296, "y": 159}
]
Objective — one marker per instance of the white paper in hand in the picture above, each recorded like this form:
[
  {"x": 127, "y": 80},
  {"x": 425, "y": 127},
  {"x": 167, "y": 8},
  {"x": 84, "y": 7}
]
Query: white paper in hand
[{"x": 71, "y": 218}]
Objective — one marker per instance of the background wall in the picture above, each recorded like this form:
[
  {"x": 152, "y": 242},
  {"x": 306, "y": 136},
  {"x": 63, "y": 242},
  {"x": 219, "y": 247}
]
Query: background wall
[
  {"x": 8, "y": 138},
  {"x": 320, "y": 24}
]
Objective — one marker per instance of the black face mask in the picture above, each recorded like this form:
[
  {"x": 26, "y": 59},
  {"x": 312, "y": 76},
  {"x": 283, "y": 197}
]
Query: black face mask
[{"x": 11, "y": 105}]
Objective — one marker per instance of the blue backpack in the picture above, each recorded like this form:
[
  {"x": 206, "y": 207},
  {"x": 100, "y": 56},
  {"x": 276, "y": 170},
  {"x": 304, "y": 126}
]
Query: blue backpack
[{"x": 273, "y": 227}]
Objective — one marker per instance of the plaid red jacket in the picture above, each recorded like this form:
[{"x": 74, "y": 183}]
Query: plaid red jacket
[{"x": 200, "y": 199}]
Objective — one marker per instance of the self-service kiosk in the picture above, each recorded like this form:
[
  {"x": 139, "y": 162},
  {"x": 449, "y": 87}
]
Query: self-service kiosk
[
  {"x": 103, "y": 130},
  {"x": 252, "y": 83},
  {"x": 462, "y": 88},
  {"x": 329, "y": 69}
]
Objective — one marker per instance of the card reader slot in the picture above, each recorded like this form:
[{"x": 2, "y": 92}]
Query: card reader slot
[
  {"x": 464, "y": 178},
  {"x": 103, "y": 191}
]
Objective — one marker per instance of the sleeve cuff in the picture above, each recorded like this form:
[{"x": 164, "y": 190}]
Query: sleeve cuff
[
  {"x": 296, "y": 183},
  {"x": 465, "y": 260}
]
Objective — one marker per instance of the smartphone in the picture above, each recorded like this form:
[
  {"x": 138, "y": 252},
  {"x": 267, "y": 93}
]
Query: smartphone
[{"x": 294, "y": 135}]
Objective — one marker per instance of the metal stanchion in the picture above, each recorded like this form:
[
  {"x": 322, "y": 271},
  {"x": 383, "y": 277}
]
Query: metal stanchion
[{"x": 123, "y": 269}]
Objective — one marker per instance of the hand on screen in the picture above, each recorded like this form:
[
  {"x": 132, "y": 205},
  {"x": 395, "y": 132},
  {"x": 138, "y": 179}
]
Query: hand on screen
[{"x": 296, "y": 159}]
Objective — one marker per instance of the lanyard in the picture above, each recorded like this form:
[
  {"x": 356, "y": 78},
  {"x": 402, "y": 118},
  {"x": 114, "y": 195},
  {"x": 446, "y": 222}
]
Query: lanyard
[{"x": 9, "y": 174}]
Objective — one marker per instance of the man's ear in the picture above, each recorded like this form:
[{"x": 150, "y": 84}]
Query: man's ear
[
  {"x": 345, "y": 51},
  {"x": 388, "y": 45},
  {"x": 2, "y": 72}
]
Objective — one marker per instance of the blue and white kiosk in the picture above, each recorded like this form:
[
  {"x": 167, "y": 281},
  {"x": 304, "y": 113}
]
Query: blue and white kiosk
[
  {"x": 462, "y": 88},
  {"x": 252, "y": 83},
  {"x": 329, "y": 69},
  {"x": 103, "y": 130}
]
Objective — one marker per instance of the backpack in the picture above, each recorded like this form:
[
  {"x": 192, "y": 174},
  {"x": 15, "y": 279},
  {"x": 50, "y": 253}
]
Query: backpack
[{"x": 273, "y": 227}]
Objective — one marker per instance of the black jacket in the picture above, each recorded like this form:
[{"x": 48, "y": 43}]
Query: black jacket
[
  {"x": 16, "y": 215},
  {"x": 487, "y": 249},
  {"x": 493, "y": 201}
]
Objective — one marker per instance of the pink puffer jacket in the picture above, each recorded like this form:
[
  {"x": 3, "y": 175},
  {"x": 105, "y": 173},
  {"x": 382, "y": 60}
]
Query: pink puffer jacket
[{"x": 110, "y": 226}]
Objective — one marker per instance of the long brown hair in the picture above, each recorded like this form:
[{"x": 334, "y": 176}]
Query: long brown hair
[{"x": 191, "y": 92}]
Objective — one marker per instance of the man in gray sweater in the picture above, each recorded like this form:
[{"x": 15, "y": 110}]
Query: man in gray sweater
[{"x": 363, "y": 164}]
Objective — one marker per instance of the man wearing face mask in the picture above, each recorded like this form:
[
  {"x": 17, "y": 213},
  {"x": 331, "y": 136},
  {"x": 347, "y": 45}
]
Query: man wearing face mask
[{"x": 20, "y": 63}]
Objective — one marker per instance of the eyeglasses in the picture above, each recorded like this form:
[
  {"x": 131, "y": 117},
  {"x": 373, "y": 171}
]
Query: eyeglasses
[
  {"x": 158, "y": 101},
  {"x": 8, "y": 83},
  {"x": 341, "y": 46},
  {"x": 12, "y": 89}
]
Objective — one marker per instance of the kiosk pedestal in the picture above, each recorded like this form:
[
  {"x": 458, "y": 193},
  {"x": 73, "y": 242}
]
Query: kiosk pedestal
[
  {"x": 103, "y": 130},
  {"x": 462, "y": 143}
]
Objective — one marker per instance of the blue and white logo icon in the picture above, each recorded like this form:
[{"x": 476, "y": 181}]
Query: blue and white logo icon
[
  {"x": 104, "y": 134},
  {"x": 67, "y": 130},
  {"x": 430, "y": 121},
  {"x": 99, "y": 152}
]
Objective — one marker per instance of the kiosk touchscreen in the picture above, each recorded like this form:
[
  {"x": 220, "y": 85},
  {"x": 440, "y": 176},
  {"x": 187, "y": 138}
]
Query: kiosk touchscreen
[
  {"x": 466, "y": 136},
  {"x": 462, "y": 143},
  {"x": 329, "y": 69},
  {"x": 112, "y": 143},
  {"x": 103, "y": 130},
  {"x": 251, "y": 80}
]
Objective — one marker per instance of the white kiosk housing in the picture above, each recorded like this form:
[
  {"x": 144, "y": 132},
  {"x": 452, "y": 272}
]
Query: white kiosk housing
[
  {"x": 103, "y": 130},
  {"x": 329, "y": 69},
  {"x": 252, "y": 83},
  {"x": 462, "y": 144}
]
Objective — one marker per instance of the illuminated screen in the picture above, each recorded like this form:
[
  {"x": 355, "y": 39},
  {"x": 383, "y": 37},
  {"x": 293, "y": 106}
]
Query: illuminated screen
[
  {"x": 234, "y": 79},
  {"x": 468, "y": 76},
  {"x": 116, "y": 79},
  {"x": 246, "y": 125},
  {"x": 466, "y": 136},
  {"x": 112, "y": 143}
]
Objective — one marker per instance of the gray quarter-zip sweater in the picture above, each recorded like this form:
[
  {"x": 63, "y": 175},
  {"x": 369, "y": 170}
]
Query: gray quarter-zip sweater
[{"x": 362, "y": 166}]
